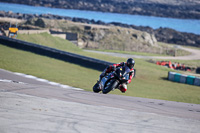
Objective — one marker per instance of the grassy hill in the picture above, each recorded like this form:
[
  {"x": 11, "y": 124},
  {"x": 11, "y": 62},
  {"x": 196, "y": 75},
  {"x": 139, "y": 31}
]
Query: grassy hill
[{"x": 150, "y": 81}]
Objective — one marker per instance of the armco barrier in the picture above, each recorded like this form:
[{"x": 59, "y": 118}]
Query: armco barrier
[
  {"x": 55, "y": 53},
  {"x": 181, "y": 78}
]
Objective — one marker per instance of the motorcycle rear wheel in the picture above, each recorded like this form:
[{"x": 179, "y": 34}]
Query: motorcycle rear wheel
[{"x": 111, "y": 86}]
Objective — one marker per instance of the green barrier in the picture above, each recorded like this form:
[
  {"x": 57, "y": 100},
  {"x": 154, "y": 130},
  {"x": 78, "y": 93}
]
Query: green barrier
[
  {"x": 177, "y": 77},
  {"x": 190, "y": 80}
]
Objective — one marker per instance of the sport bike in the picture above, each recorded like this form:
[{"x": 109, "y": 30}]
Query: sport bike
[{"x": 112, "y": 80}]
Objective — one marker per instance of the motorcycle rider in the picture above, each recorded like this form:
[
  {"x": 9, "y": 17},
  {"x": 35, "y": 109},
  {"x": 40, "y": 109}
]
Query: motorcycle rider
[{"x": 129, "y": 63}]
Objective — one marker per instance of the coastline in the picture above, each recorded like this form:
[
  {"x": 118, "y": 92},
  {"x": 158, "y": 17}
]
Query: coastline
[
  {"x": 185, "y": 9},
  {"x": 166, "y": 35}
]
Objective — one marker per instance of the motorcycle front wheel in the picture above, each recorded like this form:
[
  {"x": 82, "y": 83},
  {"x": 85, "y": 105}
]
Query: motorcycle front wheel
[
  {"x": 96, "y": 88},
  {"x": 110, "y": 85}
]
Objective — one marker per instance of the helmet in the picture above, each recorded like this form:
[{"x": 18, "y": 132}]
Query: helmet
[{"x": 130, "y": 63}]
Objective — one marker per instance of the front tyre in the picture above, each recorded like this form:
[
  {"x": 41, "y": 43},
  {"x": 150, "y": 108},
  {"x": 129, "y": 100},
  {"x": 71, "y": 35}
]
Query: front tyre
[
  {"x": 96, "y": 88},
  {"x": 109, "y": 87}
]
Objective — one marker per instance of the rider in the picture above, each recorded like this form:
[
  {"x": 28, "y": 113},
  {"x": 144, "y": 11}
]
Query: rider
[{"x": 130, "y": 63}]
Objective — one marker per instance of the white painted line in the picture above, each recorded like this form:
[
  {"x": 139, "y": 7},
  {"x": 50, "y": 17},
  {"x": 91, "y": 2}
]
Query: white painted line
[
  {"x": 5, "y": 80},
  {"x": 54, "y": 83},
  {"x": 77, "y": 89},
  {"x": 21, "y": 74},
  {"x": 43, "y": 80},
  {"x": 65, "y": 86},
  {"x": 9, "y": 81},
  {"x": 30, "y": 76}
]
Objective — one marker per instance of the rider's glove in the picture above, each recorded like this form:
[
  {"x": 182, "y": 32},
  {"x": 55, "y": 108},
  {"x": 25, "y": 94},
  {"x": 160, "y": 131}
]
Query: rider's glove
[
  {"x": 122, "y": 64},
  {"x": 102, "y": 75}
]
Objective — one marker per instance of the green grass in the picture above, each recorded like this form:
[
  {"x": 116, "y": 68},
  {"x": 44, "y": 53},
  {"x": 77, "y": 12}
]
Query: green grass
[
  {"x": 150, "y": 81},
  {"x": 47, "y": 68},
  {"x": 50, "y": 41}
]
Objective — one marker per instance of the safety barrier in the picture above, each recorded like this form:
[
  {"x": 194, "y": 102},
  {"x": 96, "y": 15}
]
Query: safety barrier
[
  {"x": 181, "y": 78},
  {"x": 197, "y": 81},
  {"x": 55, "y": 53}
]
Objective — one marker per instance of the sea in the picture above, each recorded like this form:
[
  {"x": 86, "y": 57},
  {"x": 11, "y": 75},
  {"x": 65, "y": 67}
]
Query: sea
[{"x": 182, "y": 25}]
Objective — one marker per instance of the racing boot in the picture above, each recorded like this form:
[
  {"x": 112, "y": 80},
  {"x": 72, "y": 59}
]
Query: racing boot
[{"x": 122, "y": 88}]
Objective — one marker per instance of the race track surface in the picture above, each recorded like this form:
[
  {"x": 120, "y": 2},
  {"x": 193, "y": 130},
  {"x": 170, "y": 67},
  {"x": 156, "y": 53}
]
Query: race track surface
[
  {"x": 195, "y": 55},
  {"x": 27, "y": 106}
]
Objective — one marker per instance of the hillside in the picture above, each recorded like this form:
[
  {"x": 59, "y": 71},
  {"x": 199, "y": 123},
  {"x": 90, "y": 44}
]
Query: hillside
[
  {"x": 186, "y": 9},
  {"x": 107, "y": 37},
  {"x": 98, "y": 36},
  {"x": 165, "y": 35}
]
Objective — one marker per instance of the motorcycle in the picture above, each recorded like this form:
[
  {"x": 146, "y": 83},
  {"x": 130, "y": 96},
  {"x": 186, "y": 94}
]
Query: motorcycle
[{"x": 112, "y": 80}]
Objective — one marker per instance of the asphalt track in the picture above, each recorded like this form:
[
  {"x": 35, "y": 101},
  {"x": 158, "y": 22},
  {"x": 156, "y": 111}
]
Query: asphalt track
[
  {"x": 195, "y": 55},
  {"x": 30, "y": 106}
]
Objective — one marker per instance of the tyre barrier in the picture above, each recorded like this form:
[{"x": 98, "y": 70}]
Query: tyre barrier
[
  {"x": 197, "y": 81},
  {"x": 181, "y": 78},
  {"x": 84, "y": 61},
  {"x": 171, "y": 76}
]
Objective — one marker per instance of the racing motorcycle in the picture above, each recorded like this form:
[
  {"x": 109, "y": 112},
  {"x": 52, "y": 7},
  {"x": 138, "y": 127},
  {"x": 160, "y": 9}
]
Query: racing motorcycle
[{"x": 112, "y": 80}]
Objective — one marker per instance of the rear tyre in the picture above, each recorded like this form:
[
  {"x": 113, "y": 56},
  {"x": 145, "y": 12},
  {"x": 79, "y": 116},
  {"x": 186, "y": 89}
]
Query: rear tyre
[
  {"x": 109, "y": 87},
  {"x": 96, "y": 88}
]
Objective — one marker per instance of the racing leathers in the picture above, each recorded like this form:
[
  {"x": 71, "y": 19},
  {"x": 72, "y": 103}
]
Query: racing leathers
[{"x": 122, "y": 87}]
